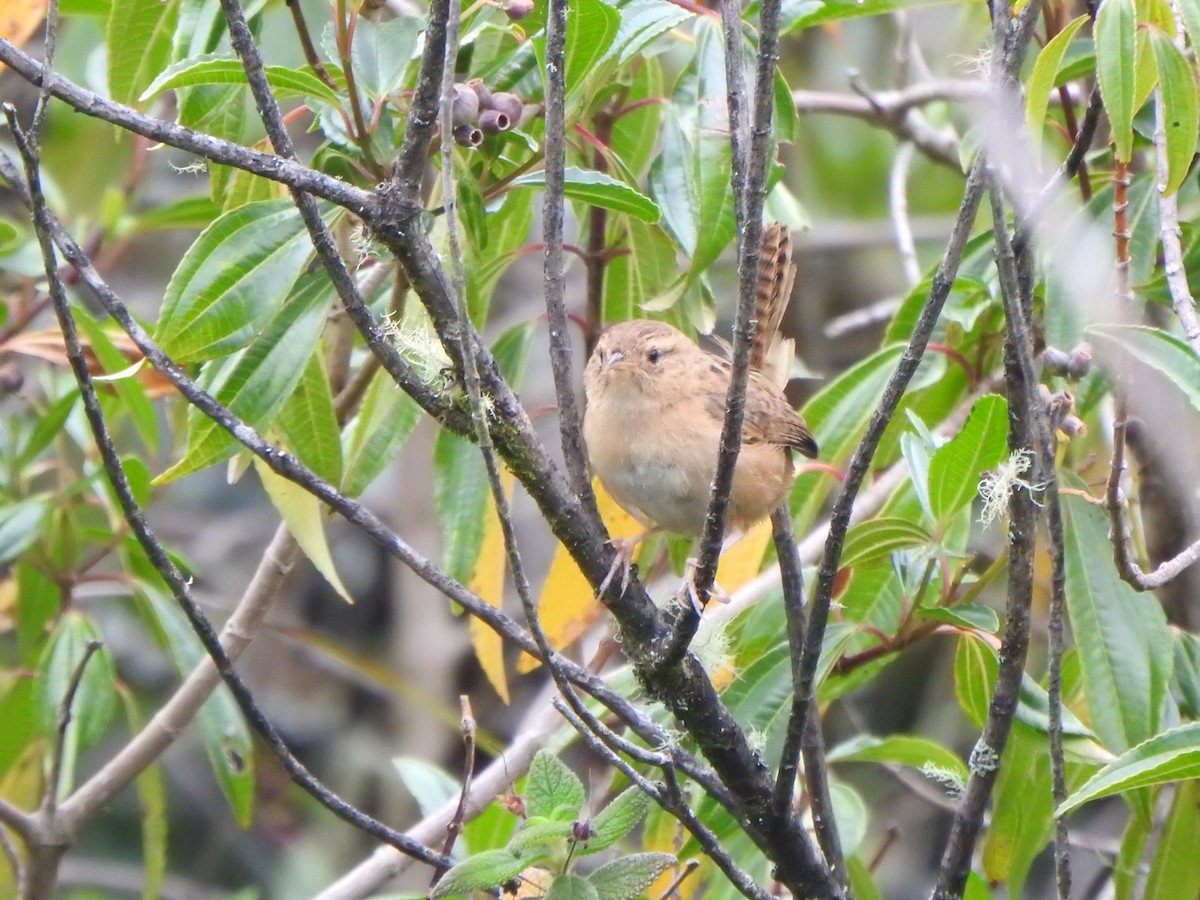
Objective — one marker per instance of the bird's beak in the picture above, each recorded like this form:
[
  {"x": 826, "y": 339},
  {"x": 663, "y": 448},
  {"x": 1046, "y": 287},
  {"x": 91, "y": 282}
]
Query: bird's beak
[{"x": 608, "y": 361}]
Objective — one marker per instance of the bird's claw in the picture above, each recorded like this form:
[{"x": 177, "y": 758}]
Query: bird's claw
[
  {"x": 622, "y": 562},
  {"x": 689, "y": 591}
]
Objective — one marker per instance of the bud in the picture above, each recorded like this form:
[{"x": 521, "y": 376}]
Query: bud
[
  {"x": 481, "y": 91},
  {"x": 465, "y": 108},
  {"x": 493, "y": 122},
  {"x": 1073, "y": 427},
  {"x": 12, "y": 379},
  {"x": 517, "y": 9},
  {"x": 1079, "y": 362},
  {"x": 509, "y": 104},
  {"x": 467, "y": 136},
  {"x": 1055, "y": 361}
]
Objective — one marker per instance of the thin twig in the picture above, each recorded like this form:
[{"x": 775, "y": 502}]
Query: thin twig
[
  {"x": 671, "y": 799},
  {"x": 909, "y": 126},
  {"x": 455, "y": 826},
  {"x": 159, "y": 558},
  {"x": 11, "y": 857},
  {"x": 555, "y": 147},
  {"x": 62, "y": 722},
  {"x": 18, "y": 820},
  {"x": 898, "y": 210},
  {"x": 1174, "y": 270},
  {"x": 43, "y": 102},
  {"x": 306, "y": 44}
]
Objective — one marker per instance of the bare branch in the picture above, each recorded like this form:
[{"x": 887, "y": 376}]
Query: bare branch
[
  {"x": 898, "y": 210},
  {"x": 1174, "y": 269}
]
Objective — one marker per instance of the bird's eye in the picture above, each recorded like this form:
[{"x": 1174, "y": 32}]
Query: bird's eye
[{"x": 652, "y": 354}]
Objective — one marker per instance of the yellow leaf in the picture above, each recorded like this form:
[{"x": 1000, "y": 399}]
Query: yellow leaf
[
  {"x": 741, "y": 562},
  {"x": 301, "y": 513},
  {"x": 19, "y": 19},
  {"x": 487, "y": 581},
  {"x": 567, "y": 606}
]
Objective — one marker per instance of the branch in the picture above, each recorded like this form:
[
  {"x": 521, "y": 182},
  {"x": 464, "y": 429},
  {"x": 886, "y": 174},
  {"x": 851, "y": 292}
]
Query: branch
[
  {"x": 1168, "y": 210},
  {"x": 670, "y": 797},
  {"x": 555, "y": 147},
  {"x": 267, "y": 165},
  {"x": 1054, "y": 521},
  {"x": 898, "y": 211},
  {"x": 176, "y": 581},
  {"x": 63, "y": 718}
]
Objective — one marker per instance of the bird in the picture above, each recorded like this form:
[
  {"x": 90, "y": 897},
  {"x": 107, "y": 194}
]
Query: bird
[{"x": 655, "y": 408}]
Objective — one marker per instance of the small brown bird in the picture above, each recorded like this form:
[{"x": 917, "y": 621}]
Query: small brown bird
[{"x": 655, "y": 409}]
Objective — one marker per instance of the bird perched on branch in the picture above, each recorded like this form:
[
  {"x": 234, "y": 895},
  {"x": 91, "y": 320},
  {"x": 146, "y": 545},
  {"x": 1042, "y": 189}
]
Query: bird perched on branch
[{"x": 656, "y": 407}]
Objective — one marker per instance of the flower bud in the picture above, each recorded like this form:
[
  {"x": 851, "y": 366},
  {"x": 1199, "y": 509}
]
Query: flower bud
[
  {"x": 1079, "y": 362},
  {"x": 517, "y": 9},
  {"x": 1073, "y": 427},
  {"x": 482, "y": 91},
  {"x": 465, "y": 108},
  {"x": 509, "y": 104},
  {"x": 1055, "y": 361},
  {"x": 467, "y": 136},
  {"x": 492, "y": 121}
]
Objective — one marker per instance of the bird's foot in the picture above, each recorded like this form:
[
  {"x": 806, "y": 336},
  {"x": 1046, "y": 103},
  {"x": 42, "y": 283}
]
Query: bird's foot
[
  {"x": 621, "y": 563},
  {"x": 688, "y": 589}
]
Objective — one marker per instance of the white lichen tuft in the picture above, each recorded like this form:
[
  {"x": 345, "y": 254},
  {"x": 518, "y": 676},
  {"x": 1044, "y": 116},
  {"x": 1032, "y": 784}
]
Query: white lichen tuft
[
  {"x": 418, "y": 344},
  {"x": 195, "y": 167},
  {"x": 977, "y": 63},
  {"x": 365, "y": 247},
  {"x": 995, "y": 488},
  {"x": 983, "y": 759},
  {"x": 948, "y": 778}
]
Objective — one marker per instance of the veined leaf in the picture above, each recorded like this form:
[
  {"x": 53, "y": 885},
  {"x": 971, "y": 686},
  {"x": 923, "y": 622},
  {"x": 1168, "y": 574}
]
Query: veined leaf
[
  {"x": 1171, "y": 756},
  {"x": 262, "y": 378},
  {"x": 1115, "y": 25},
  {"x": 1045, "y": 72},
  {"x": 139, "y": 44},
  {"x": 877, "y": 539},
  {"x": 232, "y": 280},
  {"x": 899, "y": 749},
  {"x": 955, "y": 467},
  {"x": 1124, "y": 645},
  {"x": 213, "y": 69},
  {"x": 309, "y": 424},
  {"x": 487, "y": 582},
  {"x": 302, "y": 513},
  {"x": 552, "y": 790},
  {"x": 381, "y": 52},
  {"x": 223, "y": 731},
  {"x": 1157, "y": 349},
  {"x": 599, "y": 189},
  {"x": 385, "y": 419},
  {"x": 1180, "y": 108}
]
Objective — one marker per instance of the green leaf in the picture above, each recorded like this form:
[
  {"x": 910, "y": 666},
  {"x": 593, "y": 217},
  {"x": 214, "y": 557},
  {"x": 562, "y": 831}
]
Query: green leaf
[
  {"x": 139, "y": 45},
  {"x": 483, "y": 870},
  {"x": 1022, "y": 812},
  {"x": 1043, "y": 77},
  {"x": 152, "y": 800},
  {"x": 431, "y": 786},
  {"x": 38, "y": 602},
  {"x": 1189, "y": 11},
  {"x": 303, "y": 514},
  {"x": 900, "y": 749},
  {"x": 598, "y": 189},
  {"x": 1124, "y": 645},
  {"x": 131, "y": 394},
  {"x": 95, "y": 701},
  {"x": 1173, "y": 755},
  {"x": 381, "y": 52},
  {"x": 1114, "y": 34},
  {"x": 571, "y": 887},
  {"x": 1185, "y": 675},
  {"x": 876, "y": 539},
  {"x": 212, "y": 69},
  {"x": 797, "y": 14},
  {"x": 48, "y": 426},
  {"x": 964, "y": 615},
  {"x": 385, "y": 419},
  {"x": 21, "y": 524},
  {"x": 646, "y": 268},
  {"x": 187, "y": 212},
  {"x": 223, "y": 731},
  {"x": 591, "y": 27},
  {"x": 1157, "y": 349},
  {"x": 1180, "y": 108},
  {"x": 851, "y": 813},
  {"x": 540, "y": 835},
  {"x": 232, "y": 280},
  {"x": 1173, "y": 872},
  {"x": 261, "y": 379},
  {"x": 955, "y": 467},
  {"x": 861, "y": 883},
  {"x": 309, "y": 424},
  {"x": 617, "y": 819},
  {"x": 627, "y": 877},
  {"x": 552, "y": 788},
  {"x": 641, "y": 22}
]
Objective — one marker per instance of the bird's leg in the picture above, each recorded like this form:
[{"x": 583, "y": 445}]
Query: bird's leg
[
  {"x": 622, "y": 560},
  {"x": 716, "y": 592}
]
